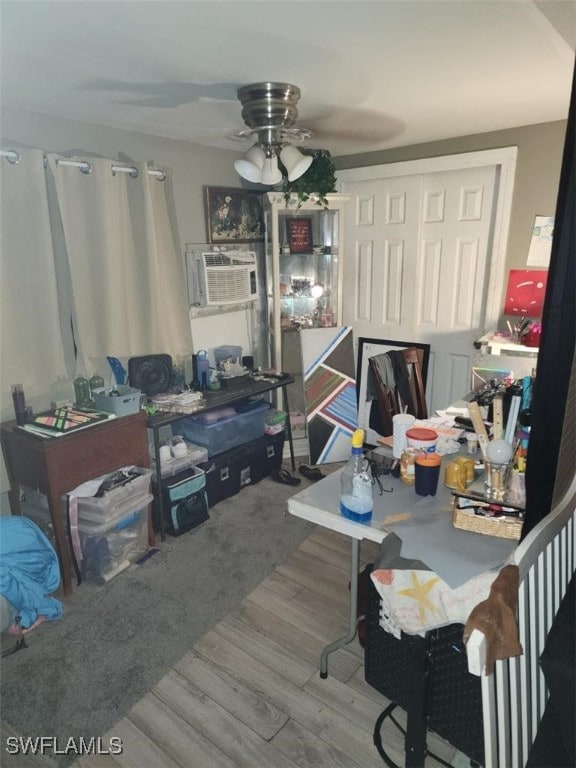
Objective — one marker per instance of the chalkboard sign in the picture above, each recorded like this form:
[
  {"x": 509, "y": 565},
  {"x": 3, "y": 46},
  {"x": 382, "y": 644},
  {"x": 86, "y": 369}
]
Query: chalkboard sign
[{"x": 299, "y": 234}]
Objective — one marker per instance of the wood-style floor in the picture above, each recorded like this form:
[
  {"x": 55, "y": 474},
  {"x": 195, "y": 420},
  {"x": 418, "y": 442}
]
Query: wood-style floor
[{"x": 249, "y": 693}]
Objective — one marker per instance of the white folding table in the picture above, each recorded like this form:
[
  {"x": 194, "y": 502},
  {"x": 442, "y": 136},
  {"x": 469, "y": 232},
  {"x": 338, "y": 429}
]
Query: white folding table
[{"x": 427, "y": 535}]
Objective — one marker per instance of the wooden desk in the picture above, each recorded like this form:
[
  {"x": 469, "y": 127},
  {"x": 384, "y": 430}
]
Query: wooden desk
[{"x": 56, "y": 465}]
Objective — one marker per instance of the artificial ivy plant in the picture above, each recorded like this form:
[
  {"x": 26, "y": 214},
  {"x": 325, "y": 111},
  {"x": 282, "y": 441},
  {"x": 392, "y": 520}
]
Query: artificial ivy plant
[{"x": 316, "y": 183}]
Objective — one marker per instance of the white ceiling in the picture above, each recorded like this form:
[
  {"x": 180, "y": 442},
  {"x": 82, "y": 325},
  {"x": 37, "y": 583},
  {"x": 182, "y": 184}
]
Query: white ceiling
[{"x": 373, "y": 75}]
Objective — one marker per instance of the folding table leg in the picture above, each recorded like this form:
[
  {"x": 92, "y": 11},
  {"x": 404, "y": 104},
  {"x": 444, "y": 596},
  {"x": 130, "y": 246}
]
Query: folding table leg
[{"x": 353, "y": 621}]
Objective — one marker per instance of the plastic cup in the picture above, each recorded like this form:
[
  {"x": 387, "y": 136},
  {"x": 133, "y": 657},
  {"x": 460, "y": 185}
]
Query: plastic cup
[
  {"x": 427, "y": 472},
  {"x": 472, "y": 442},
  {"x": 401, "y": 423}
]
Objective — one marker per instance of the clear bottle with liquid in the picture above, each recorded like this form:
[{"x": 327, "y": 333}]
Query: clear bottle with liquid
[
  {"x": 96, "y": 382},
  {"x": 356, "y": 483}
]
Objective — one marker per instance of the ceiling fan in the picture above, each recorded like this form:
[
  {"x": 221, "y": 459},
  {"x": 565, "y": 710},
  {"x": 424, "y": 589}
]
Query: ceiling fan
[{"x": 269, "y": 110}]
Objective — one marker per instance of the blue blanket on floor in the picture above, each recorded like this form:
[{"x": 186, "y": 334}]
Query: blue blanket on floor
[{"x": 29, "y": 570}]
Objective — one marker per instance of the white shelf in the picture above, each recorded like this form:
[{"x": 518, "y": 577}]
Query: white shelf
[{"x": 500, "y": 345}]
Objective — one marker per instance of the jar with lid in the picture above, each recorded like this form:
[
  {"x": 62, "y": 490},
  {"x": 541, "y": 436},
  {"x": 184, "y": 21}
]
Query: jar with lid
[{"x": 407, "y": 461}]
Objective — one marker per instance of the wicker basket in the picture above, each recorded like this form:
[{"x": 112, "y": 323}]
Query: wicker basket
[{"x": 503, "y": 527}]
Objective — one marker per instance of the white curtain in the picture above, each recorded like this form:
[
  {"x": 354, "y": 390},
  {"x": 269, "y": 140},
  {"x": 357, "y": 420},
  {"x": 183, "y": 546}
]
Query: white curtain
[
  {"x": 31, "y": 326},
  {"x": 128, "y": 281}
]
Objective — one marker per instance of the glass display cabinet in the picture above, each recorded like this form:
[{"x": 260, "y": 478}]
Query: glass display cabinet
[
  {"x": 303, "y": 246},
  {"x": 303, "y": 265}
]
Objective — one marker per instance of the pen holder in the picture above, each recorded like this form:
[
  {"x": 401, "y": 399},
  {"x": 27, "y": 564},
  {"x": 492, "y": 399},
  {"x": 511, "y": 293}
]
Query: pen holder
[{"x": 19, "y": 403}]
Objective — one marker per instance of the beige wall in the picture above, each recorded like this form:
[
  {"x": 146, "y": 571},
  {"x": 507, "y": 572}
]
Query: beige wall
[{"x": 537, "y": 172}]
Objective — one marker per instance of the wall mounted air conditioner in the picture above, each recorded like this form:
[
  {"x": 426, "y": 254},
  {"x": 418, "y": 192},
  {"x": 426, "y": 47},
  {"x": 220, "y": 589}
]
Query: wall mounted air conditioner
[{"x": 216, "y": 278}]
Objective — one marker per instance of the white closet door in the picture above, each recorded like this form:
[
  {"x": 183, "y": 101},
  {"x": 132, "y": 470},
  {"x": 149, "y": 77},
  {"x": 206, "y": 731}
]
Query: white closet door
[
  {"x": 381, "y": 223},
  {"x": 452, "y": 274},
  {"x": 416, "y": 266}
]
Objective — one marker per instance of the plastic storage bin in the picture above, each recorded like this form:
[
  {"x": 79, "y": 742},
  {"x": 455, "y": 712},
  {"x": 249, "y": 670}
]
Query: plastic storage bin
[
  {"x": 41, "y": 516},
  {"x": 196, "y": 454},
  {"x": 109, "y": 547},
  {"x": 226, "y": 433},
  {"x": 231, "y": 471},
  {"x": 118, "y": 501},
  {"x": 127, "y": 402}
]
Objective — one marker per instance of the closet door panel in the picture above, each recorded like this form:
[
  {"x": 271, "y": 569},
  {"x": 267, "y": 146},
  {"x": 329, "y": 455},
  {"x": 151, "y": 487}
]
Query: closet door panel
[
  {"x": 381, "y": 228},
  {"x": 452, "y": 269}
]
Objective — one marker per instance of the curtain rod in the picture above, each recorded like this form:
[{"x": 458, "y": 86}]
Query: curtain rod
[{"x": 14, "y": 157}]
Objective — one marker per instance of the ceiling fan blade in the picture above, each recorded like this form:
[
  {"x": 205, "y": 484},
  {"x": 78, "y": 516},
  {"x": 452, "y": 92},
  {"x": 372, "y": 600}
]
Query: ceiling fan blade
[{"x": 355, "y": 125}]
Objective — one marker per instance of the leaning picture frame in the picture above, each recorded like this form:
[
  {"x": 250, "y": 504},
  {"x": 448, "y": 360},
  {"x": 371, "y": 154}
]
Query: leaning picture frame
[
  {"x": 233, "y": 215},
  {"x": 368, "y": 348}
]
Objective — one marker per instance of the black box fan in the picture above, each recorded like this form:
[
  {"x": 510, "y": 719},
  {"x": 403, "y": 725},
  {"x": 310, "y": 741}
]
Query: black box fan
[{"x": 151, "y": 374}]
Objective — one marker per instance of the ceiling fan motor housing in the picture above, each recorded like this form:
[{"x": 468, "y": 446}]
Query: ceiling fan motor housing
[{"x": 269, "y": 106}]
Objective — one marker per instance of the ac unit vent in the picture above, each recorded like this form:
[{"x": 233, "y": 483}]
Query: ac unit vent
[{"x": 217, "y": 278}]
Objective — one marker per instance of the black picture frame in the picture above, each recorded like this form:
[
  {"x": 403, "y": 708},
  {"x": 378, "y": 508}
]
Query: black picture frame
[
  {"x": 368, "y": 348},
  {"x": 233, "y": 215}
]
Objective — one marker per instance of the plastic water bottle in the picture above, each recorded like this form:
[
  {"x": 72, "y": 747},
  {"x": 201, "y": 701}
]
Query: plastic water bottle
[
  {"x": 356, "y": 484},
  {"x": 203, "y": 369}
]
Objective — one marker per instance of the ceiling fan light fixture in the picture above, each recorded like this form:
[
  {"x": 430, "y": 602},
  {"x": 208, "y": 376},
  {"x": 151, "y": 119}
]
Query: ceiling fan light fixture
[
  {"x": 271, "y": 173},
  {"x": 250, "y": 166},
  {"x": 295, "y": 162},
  {"x": 269, "y": 111}
]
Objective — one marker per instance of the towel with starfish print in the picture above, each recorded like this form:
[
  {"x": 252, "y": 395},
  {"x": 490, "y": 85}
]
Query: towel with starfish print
[{"x": 414, "y": 599}]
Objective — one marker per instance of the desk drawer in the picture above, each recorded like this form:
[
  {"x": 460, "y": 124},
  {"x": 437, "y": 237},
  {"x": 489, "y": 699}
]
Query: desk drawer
[{"x": 99, "y": 450}]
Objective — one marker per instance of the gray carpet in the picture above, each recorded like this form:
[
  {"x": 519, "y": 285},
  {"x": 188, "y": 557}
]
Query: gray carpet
[{"x": 82, "y": 673}]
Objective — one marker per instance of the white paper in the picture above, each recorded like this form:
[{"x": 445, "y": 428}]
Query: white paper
[{"x": 541, "y": 243}]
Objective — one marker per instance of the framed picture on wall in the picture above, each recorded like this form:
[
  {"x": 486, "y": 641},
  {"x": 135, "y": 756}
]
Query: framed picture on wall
[
  {"x": 299, "y": 234},
  {"x": 233, "y": 215},
  {"x": 367, "y": 404}
]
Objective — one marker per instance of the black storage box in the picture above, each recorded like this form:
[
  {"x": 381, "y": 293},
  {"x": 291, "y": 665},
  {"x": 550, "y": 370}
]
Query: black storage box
[
  {"x": 436, "y": 663},
  {"x": 232, "y": 470}
]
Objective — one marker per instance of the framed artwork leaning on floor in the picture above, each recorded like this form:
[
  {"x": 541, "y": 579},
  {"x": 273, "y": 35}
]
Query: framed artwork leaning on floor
[{"x": 368, "y": 418}]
